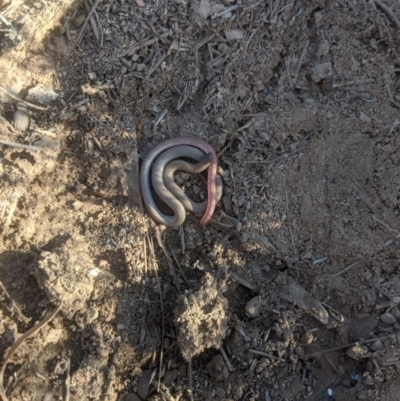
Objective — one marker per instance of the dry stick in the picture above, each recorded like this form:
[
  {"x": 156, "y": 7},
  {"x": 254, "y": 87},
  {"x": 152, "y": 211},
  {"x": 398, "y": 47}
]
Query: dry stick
[
  {"x": 190, "y": 385},
  {"x": 18, "y": 343},
  {"x": 171, "y": 266},
  {"x": 345, "y": 269},
  {"x": 226, "y": 359},
  {"x": 145, "y": 43},
  {"x": 290, "y": 228},
  {"x": 178, "y": 264},
  {"x": 151, "y": 246},
  {"x": 68, "y": 381},
  {"x": 32, "y": 106},
  {"x": 20, "y": 145},
  {"x": 92, "y": 22},
  {"x": 92, "y": 9},
  {"x": 388, "y": 11},
  {"x": 13, "y": 304},
  {"x": 253, "y": 351},
  {"x": 156, "y": 65},
  {"x": 333, "y": 365},
  {"x": 245, "y": 283},
  {"x": 371, "y": 340}
]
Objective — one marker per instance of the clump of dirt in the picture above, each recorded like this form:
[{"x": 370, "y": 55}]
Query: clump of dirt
[
  {"x": 67, "y": 275},
  {"x": 201, "y": 319}
]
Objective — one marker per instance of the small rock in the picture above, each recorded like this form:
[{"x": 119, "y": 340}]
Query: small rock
[
  {"x": 324, "y": 47},
  {"x": 364, "y": 117},
  {"x": 92, "y": 76},
  {"x": 357, "y": 352},
  {"x": 220, "y": 393},
  {"x": 143, "y": 384},
  {"x": 253, "y": 307},
  {"x": 395, "y": 312},
  {"x": 233, "y": 34},
  {"x": 376, "y": 345},
  {"x": 90, "y": 315},
  {"x": 170, "y": 376},
  {"x": 307, "y": 338},
  {"x": 41, "y": 94},
  {"x": 53, "y": 336},
  {"x": 238, "y": 393},
  {"x": 217, "y": 369},
  {"x": 388, "y": 318},
  {"x": 321, "y": 71}
]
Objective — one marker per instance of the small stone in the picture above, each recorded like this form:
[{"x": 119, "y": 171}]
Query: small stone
[
  {"x": 238, "y": 393},
  {"x": 170, "y": 376},
  {"x": 388, "y": 318},
  {"x": 196, "y": 189},
  {"x": 41, "y": 94},
  {"x": 90, "y": 315},
  {"x": 321, "y": 71},
  {"x": 53, "y": 336},
  {"x": 92, "y": 76},
  {"x": 395, "y": 312},
  {"x": 143, "y": 384},
  {"x": 217, "y": 369},
  {"x": 376, "y": 345},
  {"x": 253, "y": 307},
  {"x": 357, "y": 352},
  {"x": 307, "y": 338}
]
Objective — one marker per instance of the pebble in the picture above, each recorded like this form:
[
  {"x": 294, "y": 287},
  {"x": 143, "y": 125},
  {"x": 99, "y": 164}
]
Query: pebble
[
  {"x": 253, "y": 307},
  {"x": 217, "y": 369},
  {"x": 321, "y": 71},
  {"x": 307, "y": 338},
  {"x": 388, "y": 318},
  {"x": 376, "y": 345}
]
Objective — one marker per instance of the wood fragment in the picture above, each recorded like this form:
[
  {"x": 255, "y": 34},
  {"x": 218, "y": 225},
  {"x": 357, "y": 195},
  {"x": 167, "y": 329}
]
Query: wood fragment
[
  {"x": 92, "y": 22},
  {"x": 371, "y": 340},
  {"x": 226, "y": 359},
  {"x": 345, "y": 269},
  {"x": 92, "y": 10},
  {"x": 18, "y": 343},
  {"x": 31, "y": 105},
  {"x": 68, "y": 381},
  {"x": 388, "y": 11},
  {"x": 20, "y": 145},
  {"x": 253, "y": 351},
  {"x": 147, "y": 42}
]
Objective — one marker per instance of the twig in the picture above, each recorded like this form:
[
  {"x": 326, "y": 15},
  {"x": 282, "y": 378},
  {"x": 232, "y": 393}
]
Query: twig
[
  {"x": 371, "y": 340},
  {"x": 18, "y": 343},
  {"x": 178, "y": 264},
  {"x": 68, "y": 381},
  {"x": 388, "y": 11},
  {"x": 32, "y": 106},
  {"x": 151, "y": 246},
  {"x": 145, "y": 43},
  {"x": 290, "y": 227},
  {"x": 333, "y": 365},
  {"x": 156, "y": 65},
  {"x": 92, "y": 22},
  {"x": 20, "y": 145},
  {"x": 190, "y": 384},
  {"x": 92, "y": 10},
  {"x": 226, "y": 359},
  {"x": 245, "y": 283},
  {"x": 253, "y": 351},
  {"x": 345, "y": 269},
  {"x": 164, "y": 249},
  {"x": 13, "y": 304}
]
